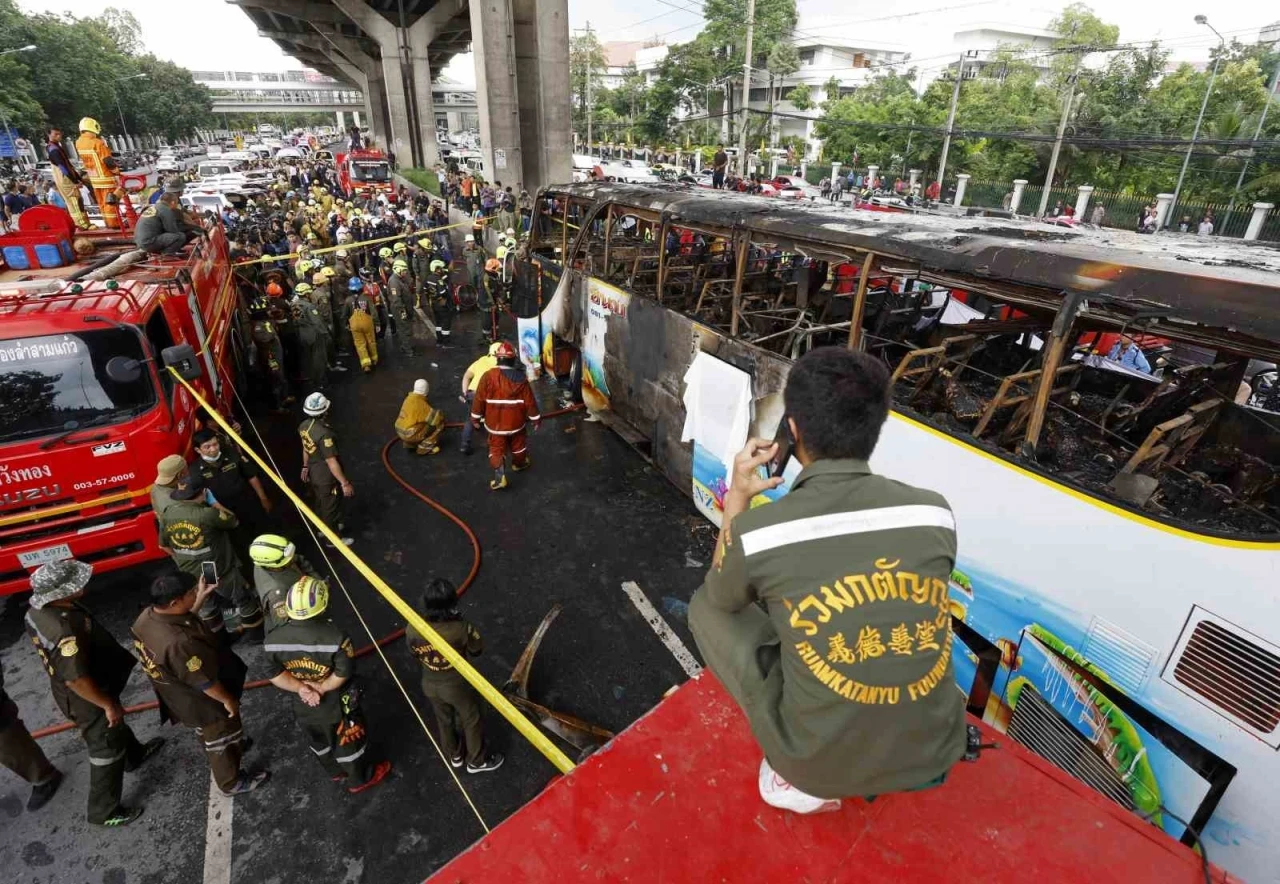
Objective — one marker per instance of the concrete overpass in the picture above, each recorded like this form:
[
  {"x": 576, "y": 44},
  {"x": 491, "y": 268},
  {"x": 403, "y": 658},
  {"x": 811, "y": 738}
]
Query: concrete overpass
[
  {"x": 299, "y": 90},
  {"x": 387, "y": 50}
]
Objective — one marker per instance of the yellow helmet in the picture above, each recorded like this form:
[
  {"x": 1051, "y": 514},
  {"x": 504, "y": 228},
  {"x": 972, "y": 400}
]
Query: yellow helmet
[
  {"x": 271, "y": 551},
  {"x": 424, "y": 243},
  {"x": 89, "y": 124},
  {"x": 308, "y": 598},
  {"x": 303, "y": 288},
  {"x": 399, "y": 265},
  {"x": 502, "y": 252},
  {"x": 384, "y": 252},
  {"x": 400, "y": 246},
  {"x": 328, "y": 272}
]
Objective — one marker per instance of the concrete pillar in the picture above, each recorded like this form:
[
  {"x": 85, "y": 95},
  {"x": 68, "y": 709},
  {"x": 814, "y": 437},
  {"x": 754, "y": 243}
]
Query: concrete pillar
[
  {"x": 541, "y": 36},
  {"x": 697, "y": 162},
  {"x": 1259, "y": 218},
  {"x": 355, "y": 118},
  {"x": 1019, "y": 185},
  {"x": 1163, "y": 203},
  {"x": 342, "y": 121},
  {"x": 962, "y": 183},
  {"x": 872, "y": 172},
  {"x": 835, "y": 170},
  {"x": 804, "y": 169},
  {"x": 773, "y": 167},
  {"x": 419, "y": 38},
  {"x": 1082, "y": 200},
  {"x": 493, "y": 47},
  {"x": 914, "y": 175}
]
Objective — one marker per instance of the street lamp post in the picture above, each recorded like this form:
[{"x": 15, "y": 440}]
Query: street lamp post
[
  {"x": 1213, "y": 75},
  {"x": 123, "y": 128}
]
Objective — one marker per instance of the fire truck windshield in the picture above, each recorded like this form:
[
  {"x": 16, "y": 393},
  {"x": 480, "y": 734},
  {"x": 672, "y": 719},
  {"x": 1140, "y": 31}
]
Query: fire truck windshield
[
  {"x": 370, "y": 172},
  {"x": 55, "y": 383}
]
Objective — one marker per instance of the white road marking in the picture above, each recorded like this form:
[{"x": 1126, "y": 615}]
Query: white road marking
[
  {"x": 677, "y": 648},
  {"x": 217, "y": 837}
]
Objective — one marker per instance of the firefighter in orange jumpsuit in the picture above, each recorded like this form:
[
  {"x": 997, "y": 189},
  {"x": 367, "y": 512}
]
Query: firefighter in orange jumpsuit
[
  {"x": 504, "y": 402},
  {"x": 104, "y": 175}
]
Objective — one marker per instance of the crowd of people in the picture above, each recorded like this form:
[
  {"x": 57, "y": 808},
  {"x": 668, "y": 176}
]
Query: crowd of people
[{"x": 322, "y": 278}]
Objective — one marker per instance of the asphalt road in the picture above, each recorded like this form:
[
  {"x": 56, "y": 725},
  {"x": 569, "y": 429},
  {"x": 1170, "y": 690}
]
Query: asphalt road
[{"x": 590, "y": 515}]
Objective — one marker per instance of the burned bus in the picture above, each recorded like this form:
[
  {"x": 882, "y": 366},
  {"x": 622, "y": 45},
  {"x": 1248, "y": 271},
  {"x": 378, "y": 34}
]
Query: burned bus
[{"x": 1119, "y": 519}]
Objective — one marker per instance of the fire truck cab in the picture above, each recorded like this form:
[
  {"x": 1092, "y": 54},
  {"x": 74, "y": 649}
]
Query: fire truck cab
[
  {"x": 87, "y": 405},
  {"x": 365, "y": 173}
]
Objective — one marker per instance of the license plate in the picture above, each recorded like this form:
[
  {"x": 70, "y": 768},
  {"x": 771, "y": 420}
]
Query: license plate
[{"x": 36, "y": 558}]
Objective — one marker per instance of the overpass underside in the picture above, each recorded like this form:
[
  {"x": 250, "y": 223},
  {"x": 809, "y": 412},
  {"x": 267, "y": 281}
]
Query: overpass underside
[{"x": 388, "y": 50}]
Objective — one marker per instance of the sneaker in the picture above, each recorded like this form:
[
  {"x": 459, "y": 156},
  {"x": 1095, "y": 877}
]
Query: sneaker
[
  {"x": 121, "y": 816},
  {"x": 41, "y": 793},
  {"x": 248, "y": 782},
  {"x": 379, "y": 774},
  {"x": 492, "y": 761},
  {"x": 456, "y": 760},
  {"x": 528, "y": 462},
  {"x": 499, "y": 483},
  {"x": 338, "y": 367},
  {"x": 149, "y": 748}
]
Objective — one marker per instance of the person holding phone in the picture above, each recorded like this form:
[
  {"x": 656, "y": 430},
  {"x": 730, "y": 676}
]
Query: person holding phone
[
  {"x": 194, "y": 532},
  {"x": 197, "y": 678},
  {"x": 845, "y": 673}
]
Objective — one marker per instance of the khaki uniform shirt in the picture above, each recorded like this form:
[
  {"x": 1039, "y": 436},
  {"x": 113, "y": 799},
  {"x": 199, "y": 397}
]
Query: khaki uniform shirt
[
  {"x": 73, "y": 645},
  {"x": 853, "y": 569},
  {"x": 318, "y": 443},
  {"x": 183, "y": 658},
  {"x": 460, "y": 634}
]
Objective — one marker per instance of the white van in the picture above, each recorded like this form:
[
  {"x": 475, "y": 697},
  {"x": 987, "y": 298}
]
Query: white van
[{"x": 216, "y": 168}]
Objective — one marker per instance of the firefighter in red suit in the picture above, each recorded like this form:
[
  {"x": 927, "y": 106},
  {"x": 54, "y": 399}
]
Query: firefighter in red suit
[{"x": 505, "y": 403}]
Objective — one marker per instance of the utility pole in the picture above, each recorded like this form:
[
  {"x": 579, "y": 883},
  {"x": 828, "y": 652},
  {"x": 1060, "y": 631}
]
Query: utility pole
[
  {"x": 1235, "y": 194},
  {"x": 1062, "y": 128},
  {"x": 1195, "y": 133},
  {"x": 951, "y": 122},
  {"x": 590, "y": 71},
  {"x": 746, "y": 89}
]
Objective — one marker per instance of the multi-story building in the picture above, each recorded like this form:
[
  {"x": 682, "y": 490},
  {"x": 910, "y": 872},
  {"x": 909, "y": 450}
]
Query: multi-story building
[
  {"x": 620, "y": 55},
  {"x": 981, "y": 44}
]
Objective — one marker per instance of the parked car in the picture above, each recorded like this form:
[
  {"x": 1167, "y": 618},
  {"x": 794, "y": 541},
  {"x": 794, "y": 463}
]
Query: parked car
[
  {"x": 795, "y": 187},
  {"x": 168, "y": 163}
]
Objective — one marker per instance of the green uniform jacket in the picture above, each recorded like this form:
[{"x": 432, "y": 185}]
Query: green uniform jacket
[
  {"x": 400, "y": 296},
  {"x": 310, "y": 651},
  {"x": 195, "y": 532},
  {"x": 272, "y": 586},
  {"x": 73, "y": 645},
  {"x": 460, "y": 634},
  {"x": 318, "y": 443},
  {"x": 853, "y": 569}
]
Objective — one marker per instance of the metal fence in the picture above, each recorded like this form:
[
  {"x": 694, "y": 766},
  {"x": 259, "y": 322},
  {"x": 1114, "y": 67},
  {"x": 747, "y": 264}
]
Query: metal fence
[{"x": 1123, "y": 210}]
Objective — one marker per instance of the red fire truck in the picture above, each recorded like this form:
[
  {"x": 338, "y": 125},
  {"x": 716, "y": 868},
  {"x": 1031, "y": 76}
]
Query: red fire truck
[
  {"x": 365, "y": 172},
  {"x": 87, "y": 407}
]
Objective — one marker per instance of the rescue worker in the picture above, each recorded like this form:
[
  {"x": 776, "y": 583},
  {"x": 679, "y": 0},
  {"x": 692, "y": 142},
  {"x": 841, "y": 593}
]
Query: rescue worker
[
  {"x": 104, "y": 175},
  {"x": 504, "y": 402},
  {"x": 21, "y": 754},
  {"x": 194, "y": 530},
  {"x": 323, "y": 301},
  {"x": 197, "y": 679},
  {"x": 88, "y": 670},
  {"x": 313, "y": 359},
  {"x": 822, "y": 740},
  {"x": 277, "y": 566},
  {"x": 311, "y": 657},
  {"x": 234, "y": 482},
  {"x": 422, "y": 257},
  {"x": 440, "y": 296},
  {"x": 490, "y": 296},
  {"x": 321, "y": 468},
  {"x": 158, "y": 232},
  {"x": 400, "y": 301},
  {"x": 474, "y": 256},
  {"x": 66, "y": 178},
  {"x": 454, "y": 701},
  {"x": 373, "y": 288},
  {"x": 168, "y": 471},
  {"x": 471, "y": 380},
  {"x": 270, "y": 353},
  {"x": 419, "y": 425},
  {"x": 361, "y": 323}
]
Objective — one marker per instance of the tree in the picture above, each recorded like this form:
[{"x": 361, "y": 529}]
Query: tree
[
  {"x": 587, "y": 64},
  {"x": 781, "y": 63},
  {"x": 800, "y": 97}
]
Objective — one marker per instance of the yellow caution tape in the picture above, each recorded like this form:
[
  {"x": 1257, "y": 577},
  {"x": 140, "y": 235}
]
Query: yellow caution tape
[
  {"x": 412, "y": 617},
  {"x": 363, "y": 244}
]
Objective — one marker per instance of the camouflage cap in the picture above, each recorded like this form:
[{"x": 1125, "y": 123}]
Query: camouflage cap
[{"x": 58, "y": 580}]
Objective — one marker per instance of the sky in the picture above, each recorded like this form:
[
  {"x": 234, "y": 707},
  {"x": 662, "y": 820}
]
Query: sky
[{"x": 213, "y": 35}]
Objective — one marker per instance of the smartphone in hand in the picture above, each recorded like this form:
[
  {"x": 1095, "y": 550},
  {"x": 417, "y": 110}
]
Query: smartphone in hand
[
  {"x": 209, "y": 571},
  {"x": 782, "y": 438}
]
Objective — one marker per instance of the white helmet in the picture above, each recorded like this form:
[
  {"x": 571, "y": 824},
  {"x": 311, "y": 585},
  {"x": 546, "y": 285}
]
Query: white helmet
[
  {"x": 468, "y": 238},
  {"x": 316, "y": 404},
  {"x": 511, "y": 231}
]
